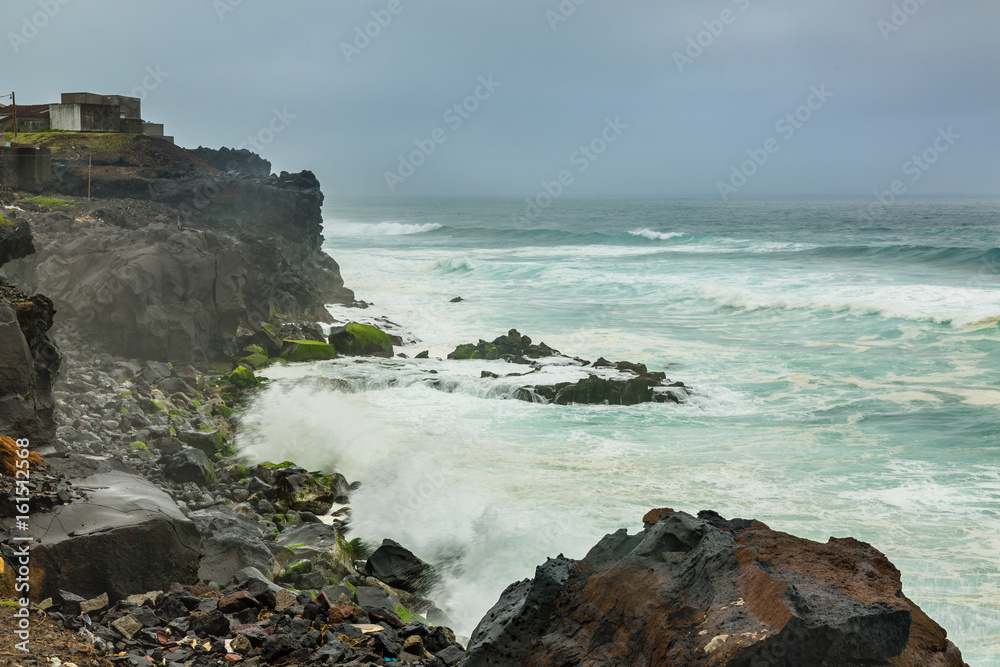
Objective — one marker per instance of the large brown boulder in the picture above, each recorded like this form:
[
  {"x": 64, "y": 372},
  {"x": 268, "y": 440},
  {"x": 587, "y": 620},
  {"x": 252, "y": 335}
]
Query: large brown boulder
[
  {"x": 709, "y": 591},
  {"x": 126, "y": 537}
]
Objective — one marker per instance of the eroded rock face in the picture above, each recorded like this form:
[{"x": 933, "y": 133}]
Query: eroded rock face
[
  {"x": 169, "y": 292},
  {"x": 169, "y": 266},
  {"x": 706, "y": 590},
  {"x": 397, "y": 566},
  {"x": 29, "y": 361},
  {"x": 15, "y": 239},
  {"x": 240, "y": 161}
]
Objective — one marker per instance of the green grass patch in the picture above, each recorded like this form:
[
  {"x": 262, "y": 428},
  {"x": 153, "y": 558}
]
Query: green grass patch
[
  {"x": 47, "y": 203},
  {"x": 407, "y": 617}
]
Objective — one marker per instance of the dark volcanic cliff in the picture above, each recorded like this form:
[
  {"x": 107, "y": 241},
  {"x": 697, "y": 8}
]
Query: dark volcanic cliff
[
  {"x": 29, "y": 361},
  {"x": 172, "y": 259}
]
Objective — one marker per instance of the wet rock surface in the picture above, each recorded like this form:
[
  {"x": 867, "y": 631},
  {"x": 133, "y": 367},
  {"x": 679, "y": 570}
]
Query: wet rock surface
[{"x": 124, "y": 536}]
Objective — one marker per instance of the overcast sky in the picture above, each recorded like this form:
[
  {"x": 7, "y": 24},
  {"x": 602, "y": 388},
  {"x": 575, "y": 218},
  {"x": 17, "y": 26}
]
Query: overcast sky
[{"x": 890, "y": 88}]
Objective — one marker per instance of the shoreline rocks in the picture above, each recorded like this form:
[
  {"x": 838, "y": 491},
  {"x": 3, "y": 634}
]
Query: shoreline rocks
[
  {"x": 631, "y": 384},
  {"x": 361, "y": 340},
  {"x": 712, "y": 591},
  {"x": 118, "y": 523}
]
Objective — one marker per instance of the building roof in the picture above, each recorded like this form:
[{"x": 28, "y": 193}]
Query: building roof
[{"x": 25, "y": 111}]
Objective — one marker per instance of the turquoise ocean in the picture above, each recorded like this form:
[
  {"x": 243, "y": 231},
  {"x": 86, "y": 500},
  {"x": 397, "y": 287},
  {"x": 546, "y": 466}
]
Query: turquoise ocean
[{"x": 847, "y": 369}]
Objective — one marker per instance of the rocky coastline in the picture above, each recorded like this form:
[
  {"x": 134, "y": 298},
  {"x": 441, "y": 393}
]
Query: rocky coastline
[{"x": 156, "y": 542}]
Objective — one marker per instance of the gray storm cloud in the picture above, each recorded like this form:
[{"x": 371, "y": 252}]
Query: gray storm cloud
[{"x": 369, "y": 89}]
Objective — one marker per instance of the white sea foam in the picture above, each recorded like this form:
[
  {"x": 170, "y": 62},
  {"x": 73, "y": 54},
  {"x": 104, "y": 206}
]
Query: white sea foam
[
  {"x": 656, "y": 236},
  {"x": 960, "y": 307},
  {"x": 387, "y": 228}
]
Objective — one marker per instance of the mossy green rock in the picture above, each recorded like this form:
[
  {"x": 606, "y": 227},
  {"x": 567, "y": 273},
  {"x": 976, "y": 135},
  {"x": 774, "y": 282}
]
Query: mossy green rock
[
  {"x": 243, "y": 378},
  {"x": 254, "y": 356},
  {"x": 222, "y": 410},
  {"x": 361, "y": 340},
  {"x": 483, "y": 350},
  {"x": 211, "y": 441},
  {"x": 307, "y": 350}
]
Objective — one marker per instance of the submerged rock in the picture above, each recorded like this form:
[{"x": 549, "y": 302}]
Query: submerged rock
[
  {"x": 361, "y": 340},
  {"x": 706, "y": 590},
  {"x": 597, "y": 390}
]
